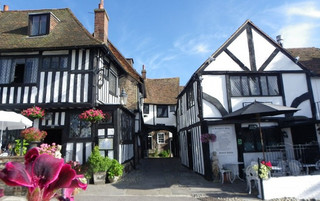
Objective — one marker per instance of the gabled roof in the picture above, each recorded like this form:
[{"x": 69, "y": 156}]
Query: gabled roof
[
  {"x": 14, "y": 31},
  {"x": 309, "y": 57},
  {"x": 123, "y": 61},
  {"x": 162, "y": 91},
  {"x": 234, "y": 36}
]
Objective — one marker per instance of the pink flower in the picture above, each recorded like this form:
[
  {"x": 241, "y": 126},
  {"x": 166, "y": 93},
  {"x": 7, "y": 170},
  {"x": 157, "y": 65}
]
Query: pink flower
[
  {"x": 93, "y": 115},
  {"x": 42, "y": 174},
  {"x": 33, "y": 112},
  {"x": 33, "y": 134}
]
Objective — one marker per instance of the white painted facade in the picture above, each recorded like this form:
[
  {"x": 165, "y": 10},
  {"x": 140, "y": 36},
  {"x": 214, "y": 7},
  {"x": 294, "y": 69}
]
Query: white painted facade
[
  {"x": 151, "y": 118},
  {"x": 250, "y": 55}
]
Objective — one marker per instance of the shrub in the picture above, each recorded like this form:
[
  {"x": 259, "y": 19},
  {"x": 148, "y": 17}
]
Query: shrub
[
  {"x": 97, "y": 163},
  {"x": 116, "y": 169},
  {"x": 165, "y": 154}
]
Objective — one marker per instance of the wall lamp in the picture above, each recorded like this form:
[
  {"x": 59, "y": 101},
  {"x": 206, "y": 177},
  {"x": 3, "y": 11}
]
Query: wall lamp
[{"x": 123, "y": 97}]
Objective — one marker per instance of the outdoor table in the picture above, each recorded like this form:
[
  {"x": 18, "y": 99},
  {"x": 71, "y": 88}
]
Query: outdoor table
[
  {"x": 307, "y": 166},
  {"x": 234, "y": 168},
  {"x": 276, "y": 168}
]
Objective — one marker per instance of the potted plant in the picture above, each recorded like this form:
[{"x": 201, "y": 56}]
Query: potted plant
[
  {"x": 33, "y": 112},
  {"x": 33, "y": 135},
  {"x": 97, "y": 166},
  {"x": 17, "y": 148},
  {"x": 264, "y": 170},
  {"x": 115, "y": 171},
  {"x": 92, "y": 115}
]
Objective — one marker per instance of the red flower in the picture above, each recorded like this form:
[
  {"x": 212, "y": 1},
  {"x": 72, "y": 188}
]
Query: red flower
[{"x": 268, "y": 164}]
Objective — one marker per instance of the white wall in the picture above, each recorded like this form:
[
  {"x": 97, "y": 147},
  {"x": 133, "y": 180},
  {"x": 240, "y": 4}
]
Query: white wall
[
  {"x": 294, "y": 86},
  {"x": 151, "y": 118},
  {"x": 315, "y": 82},
  {"x": 215, "y": 86},
  {"x": 300, "y": 187}
]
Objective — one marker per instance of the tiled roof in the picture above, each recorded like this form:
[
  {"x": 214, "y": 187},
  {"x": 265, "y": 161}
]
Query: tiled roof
[
  {"x": 68, "y": 32},
  {"x": 309, "y": 57},
  {"x": 162, "y": 91},
  {"x": 123, "y": 61}
]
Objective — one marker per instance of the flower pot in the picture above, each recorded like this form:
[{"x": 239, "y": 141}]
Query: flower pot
[
  {"x": 33, "y": 144},
  {"x": 113, "y": 179},
  {"x": 99, "y": 178}
]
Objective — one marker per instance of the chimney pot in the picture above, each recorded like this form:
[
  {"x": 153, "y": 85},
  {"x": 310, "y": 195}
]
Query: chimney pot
[
  {"x": 101, "y": 21},
  {"x": 101, "y": 6},
  {"x": 280, "y": 40},
  {"x": 143, "y": 73},
  {"x": 5, "y": 7}
]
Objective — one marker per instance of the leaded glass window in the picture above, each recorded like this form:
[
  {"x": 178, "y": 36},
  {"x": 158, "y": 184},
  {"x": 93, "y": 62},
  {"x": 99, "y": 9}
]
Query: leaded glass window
[
  {"x": 19, "y": 70},
  {"x": 79, "y": 129},
  {"x": 264, "y": 85},
  {"x": 112, "y": 83},
  {"x": 55, "y": 62}
]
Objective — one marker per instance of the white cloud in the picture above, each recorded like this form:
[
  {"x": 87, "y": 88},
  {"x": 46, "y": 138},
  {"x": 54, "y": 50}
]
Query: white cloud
[
  {"x": 306, "y": 9},
  {"x": 298, "y": 23},
  {"x": 190, "y": 44},
  {"x": 298, "y": 35}
]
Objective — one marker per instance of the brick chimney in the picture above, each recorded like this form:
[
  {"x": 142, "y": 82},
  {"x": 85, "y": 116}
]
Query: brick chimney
[
  {"x": 143, "y": 73},
  {"x": 5, "y": 7},
  {"x": 101, "y": 21}
]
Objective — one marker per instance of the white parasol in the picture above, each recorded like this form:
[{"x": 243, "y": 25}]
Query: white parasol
[{"x": 12, "y": 121}]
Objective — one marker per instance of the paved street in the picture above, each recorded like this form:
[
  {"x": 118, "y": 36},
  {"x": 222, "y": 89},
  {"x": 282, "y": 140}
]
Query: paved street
[{"x": 165, "y": 179}]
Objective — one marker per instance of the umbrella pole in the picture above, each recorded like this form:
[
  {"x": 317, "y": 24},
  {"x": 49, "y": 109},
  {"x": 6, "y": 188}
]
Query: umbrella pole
[
  {"x": 261, "y": 138},
  {"x": 1, "y": 137}
]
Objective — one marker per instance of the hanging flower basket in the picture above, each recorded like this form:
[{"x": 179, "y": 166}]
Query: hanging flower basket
[
  {"x": 205, "y": 138},
  {"x": 33, "y": 134},
  {"x": 92, "y": 115},
  {"x": 33, "y": 112}
]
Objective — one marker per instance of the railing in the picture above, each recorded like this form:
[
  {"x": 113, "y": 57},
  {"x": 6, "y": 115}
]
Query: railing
[{"x": 294, "y": 159}]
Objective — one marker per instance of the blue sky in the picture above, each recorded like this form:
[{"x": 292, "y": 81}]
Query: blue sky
[{"x": 172, "y": 38}]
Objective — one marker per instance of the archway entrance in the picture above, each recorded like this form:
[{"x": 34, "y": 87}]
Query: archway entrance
[{"x": 159, "y": 140}]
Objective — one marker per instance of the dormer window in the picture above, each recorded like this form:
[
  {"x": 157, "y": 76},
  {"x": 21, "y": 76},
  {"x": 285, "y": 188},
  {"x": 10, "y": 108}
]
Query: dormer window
[{"x": 39, "y": 24}]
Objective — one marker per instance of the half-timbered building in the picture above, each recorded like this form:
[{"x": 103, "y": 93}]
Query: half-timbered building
[
  {"x": 159, "y": 109},
  {"x": 48, "y": 59},
  {"x": 250, "y": 66}
]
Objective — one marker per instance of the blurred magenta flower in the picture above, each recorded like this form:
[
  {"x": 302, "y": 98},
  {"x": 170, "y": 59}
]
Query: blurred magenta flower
[{"x": 43, "y": 175}]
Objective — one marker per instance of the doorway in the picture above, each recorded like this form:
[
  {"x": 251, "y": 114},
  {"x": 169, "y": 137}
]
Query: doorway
[{"x": 53, "y": 136}]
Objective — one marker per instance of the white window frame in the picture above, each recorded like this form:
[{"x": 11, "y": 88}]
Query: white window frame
[{"x": 161, "y": 138}]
